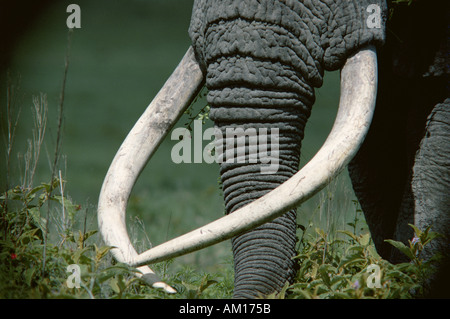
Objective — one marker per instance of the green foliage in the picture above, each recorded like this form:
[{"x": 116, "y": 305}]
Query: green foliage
[
  {"x": 39, "y": 239},
  {"x": 32, "y": 267},
  {"x": 194, "y": 114},
  {"x": 191, "y": 284},
  {"x": 42, "y": 233},
  {"x": 25, "y": 224},
  {"x": 328, "y": 268},
  {"x": 340, "y": 268}
]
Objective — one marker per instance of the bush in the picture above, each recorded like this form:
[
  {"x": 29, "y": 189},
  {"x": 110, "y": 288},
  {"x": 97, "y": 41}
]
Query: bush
[
  {"x": 33, "y": 266},
  {"x": 44, "y": 236},
  {"x": 30, "y": 265},
  {"x": 344, "y": 268}
]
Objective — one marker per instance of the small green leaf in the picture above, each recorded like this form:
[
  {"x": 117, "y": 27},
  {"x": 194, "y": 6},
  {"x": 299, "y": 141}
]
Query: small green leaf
[
  {"x": 102, "y": 251},
  {"x": 431, "y": 236},
  {"x": 206, "y": 284},
  {"x": 400, "y": 246},
  {"x": 35, "y": 190},
  {"x": 365, "y": 239},
  {"x": 323, "y": 270},
  {"x": 346, "y": 232},
  {"x": 373, "y": 252},
  {"x": 90, "y": 233},
  {"x": 38, "y": 221},
  {"x": 416, "y": 230},
  {"x": 114, "y": 285},
  {"x": 77, "y": 255},
  {"x": 118, "y": 269},
  {"x": 29, "y": 273},
  {"x": 321, "y": 233}
]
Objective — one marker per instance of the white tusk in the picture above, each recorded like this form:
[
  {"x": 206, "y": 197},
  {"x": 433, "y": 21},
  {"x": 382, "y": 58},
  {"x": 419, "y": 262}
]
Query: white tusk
[
  {"x": 140, "y": 144},
  {"x": 356, "y": 107}
]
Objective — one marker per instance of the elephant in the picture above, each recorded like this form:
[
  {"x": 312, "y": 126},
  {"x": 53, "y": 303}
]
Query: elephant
[{"x": 261, "y": 62}]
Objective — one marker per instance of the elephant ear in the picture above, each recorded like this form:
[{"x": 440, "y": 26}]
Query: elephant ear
[{"x": 356, "y": 24}]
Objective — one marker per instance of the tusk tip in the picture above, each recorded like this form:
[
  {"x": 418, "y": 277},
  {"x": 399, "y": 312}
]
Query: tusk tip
[
  {"x": 153, "y": 280},
  {"x": 164, "y": 286}
]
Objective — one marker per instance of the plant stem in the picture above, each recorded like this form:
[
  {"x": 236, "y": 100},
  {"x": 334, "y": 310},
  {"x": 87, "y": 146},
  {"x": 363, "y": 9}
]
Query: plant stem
[{"x": 58, "y": 141}]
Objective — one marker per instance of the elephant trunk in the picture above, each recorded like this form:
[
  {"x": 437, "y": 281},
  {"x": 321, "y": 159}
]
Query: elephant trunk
[
  {"x": 268, "y": 111},
  {"x": 259, "y": 80}
]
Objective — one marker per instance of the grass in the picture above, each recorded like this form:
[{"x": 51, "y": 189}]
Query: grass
[
  {"x": 43, "y": 233},
  {"x": 330, "y": 266},
  {"x": 64, "y": 146}
]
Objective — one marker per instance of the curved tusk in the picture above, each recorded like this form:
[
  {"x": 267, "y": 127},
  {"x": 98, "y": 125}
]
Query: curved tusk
[
  {"x": 356, "y": 107},
  {"x": 140, "y": 144}
]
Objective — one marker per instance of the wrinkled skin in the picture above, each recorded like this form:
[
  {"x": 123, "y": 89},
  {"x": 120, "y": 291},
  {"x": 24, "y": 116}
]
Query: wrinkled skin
[
  {"x": 401, "y": 173},
  {"x": 262, "y": 61}
]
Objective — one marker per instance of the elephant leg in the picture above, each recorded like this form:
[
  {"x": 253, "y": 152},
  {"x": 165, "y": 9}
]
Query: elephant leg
[
  {"x": 431, "y": 177},
  {"x": 382, "y": 171},
  {"x": 429, "y": 202}
]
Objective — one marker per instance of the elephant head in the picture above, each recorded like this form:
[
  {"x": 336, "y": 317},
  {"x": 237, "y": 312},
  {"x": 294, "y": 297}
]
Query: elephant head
[{"x": 260, "y": 61}]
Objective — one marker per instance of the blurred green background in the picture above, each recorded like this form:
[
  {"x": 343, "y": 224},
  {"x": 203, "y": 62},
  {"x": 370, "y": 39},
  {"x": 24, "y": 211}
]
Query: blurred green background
[{"x": 119, "y": 59}]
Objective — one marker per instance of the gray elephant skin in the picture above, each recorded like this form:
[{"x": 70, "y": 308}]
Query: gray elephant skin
[{"x": 261, "y": 61}]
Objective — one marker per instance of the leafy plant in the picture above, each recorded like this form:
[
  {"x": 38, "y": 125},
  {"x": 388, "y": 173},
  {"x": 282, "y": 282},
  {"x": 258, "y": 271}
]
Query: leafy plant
[
  {"x": 342, "y": 268},
  {"x": 193, "y": 114},
  {"x": 22, "y": 252},
  {"x": 22, "y": 255}
]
